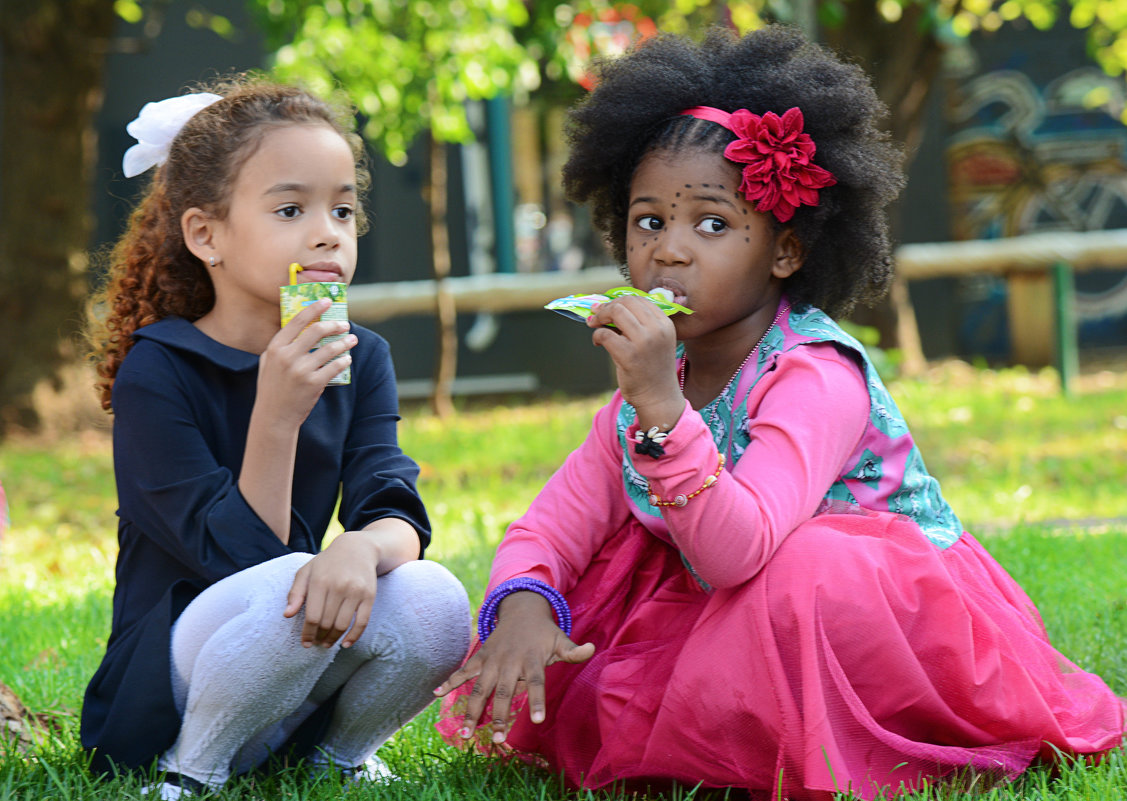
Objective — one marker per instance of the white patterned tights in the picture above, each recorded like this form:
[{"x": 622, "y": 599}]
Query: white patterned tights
[{"x": 243, "y": 683}]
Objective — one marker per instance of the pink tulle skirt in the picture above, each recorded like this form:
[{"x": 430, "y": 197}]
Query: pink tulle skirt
[{"x": 861, "y": 658}]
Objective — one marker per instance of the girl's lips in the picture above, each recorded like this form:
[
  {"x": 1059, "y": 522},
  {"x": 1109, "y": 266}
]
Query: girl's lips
[{"x": 310, "y": 275}]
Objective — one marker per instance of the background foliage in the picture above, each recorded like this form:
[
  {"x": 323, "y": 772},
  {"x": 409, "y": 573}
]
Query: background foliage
[{"x": 410, "y": 65}]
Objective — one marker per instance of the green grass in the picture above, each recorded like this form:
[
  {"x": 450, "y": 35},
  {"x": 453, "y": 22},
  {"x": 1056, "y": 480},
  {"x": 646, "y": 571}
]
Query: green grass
[
  {"x": 1015, "y": 460},
  {"x": 1008, "y": 446}
]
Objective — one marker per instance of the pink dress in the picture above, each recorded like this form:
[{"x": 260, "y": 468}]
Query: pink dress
[{"x": 816, "y": 621}]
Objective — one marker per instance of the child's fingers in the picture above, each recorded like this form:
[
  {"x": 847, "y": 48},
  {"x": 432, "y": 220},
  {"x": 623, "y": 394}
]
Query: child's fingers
[
  {"x": 308, "y": 315},
  {"x": 296, "y": 596},
  {"x": 328, "y": 631},
  {"x": 503, "y": 694},
  {"x": 610, "y": 340},
  {"x": 363, "y": 615},
  {"x": 627, "y": 313},
  {"x": 341, "y": 622},
  {"x": 479, "y": 695},
  {"x": 314, "y": 606},
  {"x": 306, "y": 329},
  {"x": 533, "y": 679},
  {"x": 310, "y": 338},
  {"x": 470, "y": 670},
  {"x": 575, "y": 653},
  {"x": 617, "y": 312},
  {"x": 333, "y": 366},
  {"x": 338, "y": 347},
  {"x": 324, "y": 362},
  {"x": 321, "y": 611},
  {"x": 637, "y": 326},
  {"x": 336, "y": 617},
  {"x": 534, "y": 685}
]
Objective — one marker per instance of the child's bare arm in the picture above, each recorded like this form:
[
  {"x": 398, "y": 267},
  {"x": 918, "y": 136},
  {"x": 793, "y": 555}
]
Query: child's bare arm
[{"x": 292, "y": 374}]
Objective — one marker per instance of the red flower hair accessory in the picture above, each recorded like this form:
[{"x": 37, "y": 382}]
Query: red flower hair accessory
[{"x": 780, "y": 174}]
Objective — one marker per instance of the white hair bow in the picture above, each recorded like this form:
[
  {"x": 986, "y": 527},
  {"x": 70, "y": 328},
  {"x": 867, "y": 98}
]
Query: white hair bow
[{"x": 156, "y": 126}]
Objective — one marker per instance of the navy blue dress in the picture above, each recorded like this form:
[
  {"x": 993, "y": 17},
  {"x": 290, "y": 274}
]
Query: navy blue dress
[{"x": 182, "y": 405}]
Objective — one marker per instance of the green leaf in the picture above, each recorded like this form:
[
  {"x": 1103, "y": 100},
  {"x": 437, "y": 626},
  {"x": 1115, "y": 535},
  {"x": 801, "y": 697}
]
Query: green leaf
[{"x": 409, "y": 64}]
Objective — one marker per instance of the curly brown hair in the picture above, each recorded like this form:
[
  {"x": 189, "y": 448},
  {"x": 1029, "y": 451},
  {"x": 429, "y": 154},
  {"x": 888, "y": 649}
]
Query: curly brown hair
[
  {"x": 636, "y": 108},
  {"x": 151, "y": 272}
]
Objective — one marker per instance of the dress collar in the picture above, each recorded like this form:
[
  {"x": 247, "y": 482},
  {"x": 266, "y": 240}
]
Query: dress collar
[{"x": 178, "y": 333}]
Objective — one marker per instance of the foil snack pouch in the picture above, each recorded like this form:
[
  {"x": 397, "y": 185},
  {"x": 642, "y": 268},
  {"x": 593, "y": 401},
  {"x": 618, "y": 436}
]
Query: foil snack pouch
[{"x": 579, "y": 307}]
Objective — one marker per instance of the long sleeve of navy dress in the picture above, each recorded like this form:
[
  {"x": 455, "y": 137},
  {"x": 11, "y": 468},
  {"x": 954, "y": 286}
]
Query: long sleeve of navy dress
[{"x": 182, "y": 405}]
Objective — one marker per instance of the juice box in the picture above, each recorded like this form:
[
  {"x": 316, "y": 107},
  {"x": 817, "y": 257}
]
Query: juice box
[{"x": 294, "y": 297}]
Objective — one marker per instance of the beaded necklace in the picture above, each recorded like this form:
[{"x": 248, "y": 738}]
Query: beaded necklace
[{"x": 685, "y": 366}]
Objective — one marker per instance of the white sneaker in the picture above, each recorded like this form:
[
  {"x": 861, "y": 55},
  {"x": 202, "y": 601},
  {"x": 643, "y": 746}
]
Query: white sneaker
[
  {"x": 375, "y": 770},
  {"x": 175, "y": 787}
]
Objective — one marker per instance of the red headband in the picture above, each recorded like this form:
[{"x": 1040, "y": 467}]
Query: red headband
[{"x": 780, "y": 174}]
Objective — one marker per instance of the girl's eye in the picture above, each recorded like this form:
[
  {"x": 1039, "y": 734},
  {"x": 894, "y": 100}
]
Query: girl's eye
[
  {"x": 713, "y": 225},
  {"x": 288, "y": 212},
  {"x": 648, "y": 222},
  {"x": 344, "y": 213}
]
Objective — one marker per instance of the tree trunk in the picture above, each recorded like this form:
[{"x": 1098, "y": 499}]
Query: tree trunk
[
  {"x": 903, "y": 59},
  {"x": 445, "y": 310},
  {"x": 51, "y": 88}
]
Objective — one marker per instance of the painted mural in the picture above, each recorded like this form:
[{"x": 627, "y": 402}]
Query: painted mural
[{"x": 1025, "y": 158}]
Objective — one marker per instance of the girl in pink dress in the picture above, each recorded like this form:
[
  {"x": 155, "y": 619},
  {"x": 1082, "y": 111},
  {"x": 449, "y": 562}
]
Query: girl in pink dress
[{"x": 745, "y": 575}]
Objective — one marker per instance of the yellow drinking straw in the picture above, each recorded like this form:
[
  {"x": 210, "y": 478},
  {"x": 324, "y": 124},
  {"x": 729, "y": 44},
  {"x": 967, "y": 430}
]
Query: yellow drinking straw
[{"x": 295, "y": 268}]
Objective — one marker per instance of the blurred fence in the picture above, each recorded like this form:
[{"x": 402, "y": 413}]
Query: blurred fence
[
  {"x": 1038, "y": 269},
  {"x": 489, "y": 292}
]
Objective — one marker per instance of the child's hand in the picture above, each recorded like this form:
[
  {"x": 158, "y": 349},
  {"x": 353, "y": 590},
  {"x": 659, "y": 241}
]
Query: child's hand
[
  {"x": 335, "y": 586},
  {"x": 512, "y": 660},
  {"x": 642, "y": 344},
  {"x": 293, "y": 371}
]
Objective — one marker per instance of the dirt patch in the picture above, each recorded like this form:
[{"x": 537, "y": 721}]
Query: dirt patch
[{"x": 18, "y": 725}]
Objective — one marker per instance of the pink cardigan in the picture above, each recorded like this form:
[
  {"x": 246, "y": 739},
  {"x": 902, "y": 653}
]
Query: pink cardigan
[{"x": 805, "y": 417}]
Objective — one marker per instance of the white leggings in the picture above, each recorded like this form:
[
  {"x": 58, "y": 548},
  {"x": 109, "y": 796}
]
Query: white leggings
[{"x": 243, "y": 683}]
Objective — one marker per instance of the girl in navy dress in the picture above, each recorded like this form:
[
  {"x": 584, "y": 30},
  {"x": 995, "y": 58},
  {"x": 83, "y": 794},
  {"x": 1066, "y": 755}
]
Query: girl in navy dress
[{"x": 234, "y": 635}]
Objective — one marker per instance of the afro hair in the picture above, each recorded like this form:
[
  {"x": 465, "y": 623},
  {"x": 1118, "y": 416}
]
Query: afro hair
[{"x": 636, "y": 108}]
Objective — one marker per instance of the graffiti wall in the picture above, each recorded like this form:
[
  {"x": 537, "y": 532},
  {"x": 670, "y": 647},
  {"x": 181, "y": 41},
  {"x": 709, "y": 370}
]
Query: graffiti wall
[{"x": 1035, "y": 144}]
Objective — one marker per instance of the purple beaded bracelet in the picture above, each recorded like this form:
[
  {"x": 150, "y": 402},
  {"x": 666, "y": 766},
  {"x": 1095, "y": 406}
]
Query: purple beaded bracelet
[{"x": 487, "y": 618}]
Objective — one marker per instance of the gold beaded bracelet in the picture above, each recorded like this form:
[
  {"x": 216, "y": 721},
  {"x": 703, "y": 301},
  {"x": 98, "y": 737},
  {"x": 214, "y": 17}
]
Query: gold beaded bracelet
[{"x": 681, "y": 500}]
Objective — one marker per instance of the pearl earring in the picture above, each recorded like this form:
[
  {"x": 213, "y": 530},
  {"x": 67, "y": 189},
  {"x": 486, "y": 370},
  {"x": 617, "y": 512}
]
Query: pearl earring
[{"x": 211, "y": 261}]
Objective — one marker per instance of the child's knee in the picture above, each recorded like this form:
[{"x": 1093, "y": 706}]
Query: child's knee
[
  {"x": 428, "y": 585},
  {"x": 428, "y": 599}
]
